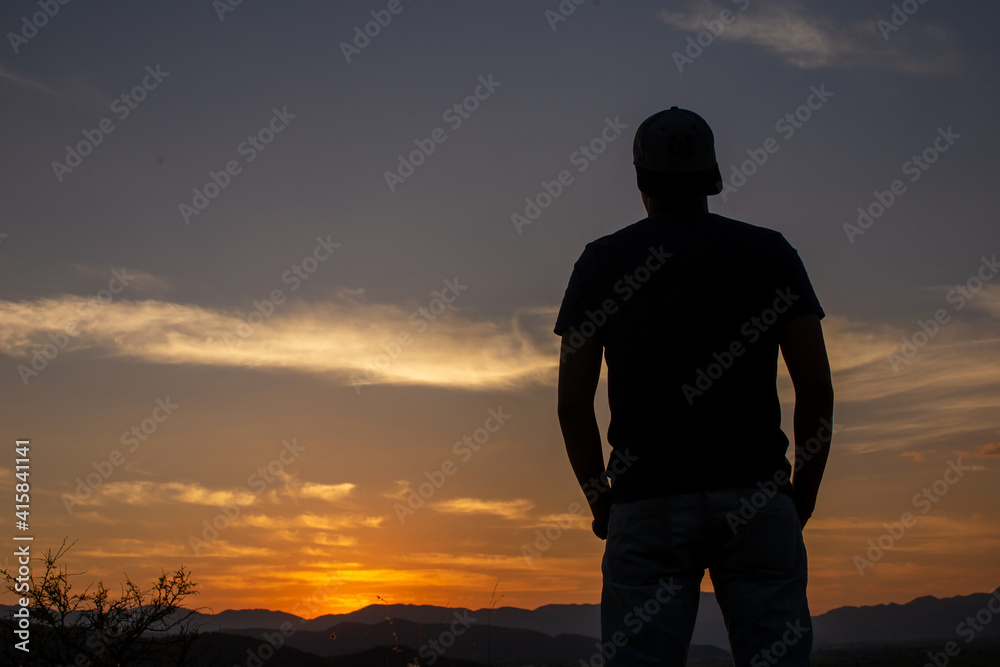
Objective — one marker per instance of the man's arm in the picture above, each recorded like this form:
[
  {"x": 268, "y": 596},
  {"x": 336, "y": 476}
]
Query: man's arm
[
  {"x": 579, "y": 372},
  {"x": 802, "y": 345}
]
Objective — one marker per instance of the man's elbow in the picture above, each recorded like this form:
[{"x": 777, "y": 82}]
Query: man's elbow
[
  {"x": 821, "y": 390},
  {"x": 816, "y": 394},
  {"x": 571, "y": 409}
]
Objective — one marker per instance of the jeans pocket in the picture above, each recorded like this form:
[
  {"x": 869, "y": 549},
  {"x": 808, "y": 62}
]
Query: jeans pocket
[
  {"x": 772, "y": 537},
  {"x": 638, "y": 547}
]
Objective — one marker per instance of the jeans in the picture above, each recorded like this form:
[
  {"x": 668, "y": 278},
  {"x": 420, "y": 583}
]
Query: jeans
[{"x": 654, "y": 560}]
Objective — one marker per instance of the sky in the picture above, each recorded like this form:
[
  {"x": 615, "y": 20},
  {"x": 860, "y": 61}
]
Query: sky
[{"x": 278, "y": 280}]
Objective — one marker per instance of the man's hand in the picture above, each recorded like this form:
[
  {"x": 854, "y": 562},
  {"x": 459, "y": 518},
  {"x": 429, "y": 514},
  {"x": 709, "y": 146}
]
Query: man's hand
[{"x": 602, "y": 516}]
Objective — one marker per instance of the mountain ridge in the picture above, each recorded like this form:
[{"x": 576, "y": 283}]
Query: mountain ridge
[{"x": 923, "y": 618}]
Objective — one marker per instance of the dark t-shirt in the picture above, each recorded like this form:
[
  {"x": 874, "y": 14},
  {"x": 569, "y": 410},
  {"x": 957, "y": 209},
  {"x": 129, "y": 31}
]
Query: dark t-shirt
[{"x": 686, "y": 308}]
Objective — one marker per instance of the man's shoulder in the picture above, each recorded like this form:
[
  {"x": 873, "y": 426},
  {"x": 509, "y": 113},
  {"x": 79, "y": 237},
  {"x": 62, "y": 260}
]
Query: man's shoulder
[{"x": 720, "y": 230}]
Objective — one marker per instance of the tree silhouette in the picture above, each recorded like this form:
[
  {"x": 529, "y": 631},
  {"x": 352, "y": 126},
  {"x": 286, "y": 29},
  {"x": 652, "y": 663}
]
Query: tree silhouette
[{"x": 93, "y": 629}]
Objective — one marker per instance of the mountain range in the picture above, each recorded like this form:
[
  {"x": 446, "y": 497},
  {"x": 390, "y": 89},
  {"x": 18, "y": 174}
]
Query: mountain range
[
  {"x": 921, "y": 619},
  {"x": 553, "y": 634}
]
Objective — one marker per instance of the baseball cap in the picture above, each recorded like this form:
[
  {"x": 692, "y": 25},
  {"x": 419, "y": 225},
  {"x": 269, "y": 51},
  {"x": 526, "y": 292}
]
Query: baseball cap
[{"x": 674, "y": 154}]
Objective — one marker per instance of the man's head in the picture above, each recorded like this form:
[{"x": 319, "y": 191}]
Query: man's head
[{"x": 674, "y": 157}]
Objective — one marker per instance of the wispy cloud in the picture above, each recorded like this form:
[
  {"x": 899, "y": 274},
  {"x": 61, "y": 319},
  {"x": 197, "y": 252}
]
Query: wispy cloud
[
  {"x": 345, "y": 338},
  {"x": 992, "y": 449},
  {"x": 945, "y": 397},
  {"x": 285, "y": 488},
  {"x": 328, "y": 492},
  {"x": 581, "y": 521},
  {"x": 807, "y": 40},
  {"x": 507, "y": 509},
  {"x": 79, "y": 90},
  {"x": 160, "y": 550},
  {"x": 308, "y": 520},
  {"x": 149, "y": 493},
  {"x": 23, "y": 81}
]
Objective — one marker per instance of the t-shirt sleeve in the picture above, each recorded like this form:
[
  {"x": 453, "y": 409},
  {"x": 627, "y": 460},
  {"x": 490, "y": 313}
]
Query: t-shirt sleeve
[
  {"x": 580, "y": 294},
  {"x": 791, "y": 277}
]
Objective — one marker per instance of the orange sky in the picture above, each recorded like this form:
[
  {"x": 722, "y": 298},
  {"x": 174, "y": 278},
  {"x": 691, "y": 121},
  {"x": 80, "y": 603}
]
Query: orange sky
[
  {"x": 314, "y": 475},
  {"x": 412, "y": 314}
]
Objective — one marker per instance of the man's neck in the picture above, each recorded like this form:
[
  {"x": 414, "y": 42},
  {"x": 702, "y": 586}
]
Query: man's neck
[{"x": 679, "y": 205}]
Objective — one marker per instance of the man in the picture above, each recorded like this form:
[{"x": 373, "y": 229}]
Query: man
[{"x": 689, "y": 310}]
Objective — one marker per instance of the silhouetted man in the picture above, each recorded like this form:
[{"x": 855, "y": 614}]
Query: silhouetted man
[{"x": 689, "y": 310}]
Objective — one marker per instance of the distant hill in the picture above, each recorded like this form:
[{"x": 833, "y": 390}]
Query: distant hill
[
  {"x": 226, "y": 649},
  {"x": 918, "y": 620},
  {"x": 923, "y": 618},
  {"x": 553, "y": 619},
  {"x": 557, "y": 630},
  {"x": 495, "y": 645}
]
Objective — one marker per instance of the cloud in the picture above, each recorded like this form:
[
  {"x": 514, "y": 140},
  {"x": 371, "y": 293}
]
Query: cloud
[
  {"x": 488, "y": 562},
  {"x": 158, "y": 551},
  {"x": 79, "y": 90},
  {"x": 918, "y": 457},
  {"x": 987, "y": 299},
  {"x": 327, "y": 492},
  {"x": 24, "y": 82},
  {"x": 992, "y": 449},
  {"x": 940, "y": 398},
  {"x": 806, "y": 40},
  {"x": 326, "y": 540},
  {"x": 507, "y": 509},
  {"x": 322, "y": 522},
  {"x": 219, "y": 548},
  {"x": 286, "y": 487},
  {"x": 147, "y": 493},
  {"x": 346, "y": 338},
  {"x": 566, "y": 520}
]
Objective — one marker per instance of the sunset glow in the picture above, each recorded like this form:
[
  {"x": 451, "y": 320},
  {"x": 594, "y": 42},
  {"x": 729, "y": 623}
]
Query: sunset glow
[{"x": 327, "y": 389}]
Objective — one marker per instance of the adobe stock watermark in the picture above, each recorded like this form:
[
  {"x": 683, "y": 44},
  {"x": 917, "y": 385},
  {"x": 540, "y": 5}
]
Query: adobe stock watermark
[
  {"x": 258, "y": 482},
  {"x": 713, "y": 28},
  {"x": 364, "y": 34},
  {"x": 30, "y": 25},
  {"x": 914, "y": 168},
  {"x": 122, "y": 107},
  {"x": 619, "y": 462},
  {"x": 562, "y": 12},
  {"x": 967, "y": 629},
  {"x": 419, "y": 319},
  {"x": 635, "y": 620},
  {"x": 433, "y": 649},
  {"x": 626, "y": 287},
  {"x": 753, "y": 329},
  {"x": 132, "y": 438},
  {"x": 455, "y": 116},
  {"x": 45, "y": 355},
  {"x": 223, "y": 7},
  {"x": 923, "y": 501},
  {"x": 899, "y": 17},
  {"x": 750, "y": 506},
  {"x": 772, "y": 655},
  {"x": 436, "y": 478},
  {"x": 295, "y": 275},
  {"x": 958, "y": 296},
  {"x": 787, "y": 126},
  {"x": 581, "y": 158},
  {"x": 248, "y": 149}
]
